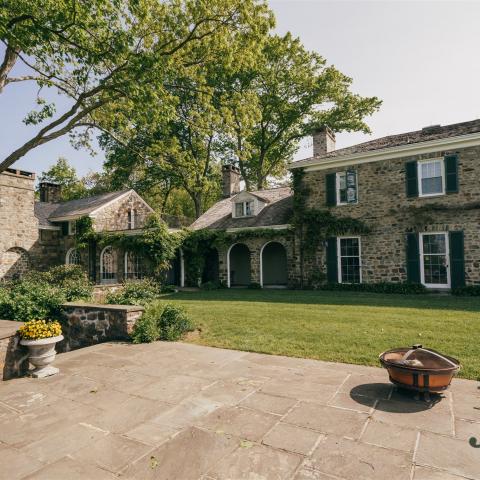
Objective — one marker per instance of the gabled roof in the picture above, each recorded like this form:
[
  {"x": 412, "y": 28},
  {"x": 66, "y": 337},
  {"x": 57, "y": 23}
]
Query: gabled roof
[
  {"x": 427, "y": 134},
  {"x": 277, "y": 211},
  {"x": 42, "y": 211}
]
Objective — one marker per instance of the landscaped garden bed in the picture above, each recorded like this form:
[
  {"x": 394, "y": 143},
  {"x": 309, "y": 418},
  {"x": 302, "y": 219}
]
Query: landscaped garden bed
[{"x": 349, "y": 327}]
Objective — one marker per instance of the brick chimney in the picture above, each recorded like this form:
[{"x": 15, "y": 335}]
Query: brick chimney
[
  {"x": 50, "y": 192},
  {"x": 230, "y": 180},
  {"x": 323, "y": 141}
]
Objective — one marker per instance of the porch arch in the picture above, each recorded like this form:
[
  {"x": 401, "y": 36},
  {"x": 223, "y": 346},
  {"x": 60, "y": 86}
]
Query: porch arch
[
  {"x": 239, "y": 265},
  {"x": 273, "y": 265},
  {"x": 108, "y": 265}
]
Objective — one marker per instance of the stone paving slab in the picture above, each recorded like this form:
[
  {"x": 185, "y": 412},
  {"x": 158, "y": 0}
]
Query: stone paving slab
[{"x": 180, "y": 411}]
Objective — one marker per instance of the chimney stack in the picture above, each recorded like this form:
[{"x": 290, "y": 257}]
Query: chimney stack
[
  {"x": 50, "y": 192},
  {"x": 323, "y": 141},
  {"x": 230, "y": 180}
]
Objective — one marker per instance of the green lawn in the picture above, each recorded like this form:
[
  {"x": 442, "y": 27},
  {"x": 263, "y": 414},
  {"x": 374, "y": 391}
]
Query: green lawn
[{"x": 337, "y": 326}]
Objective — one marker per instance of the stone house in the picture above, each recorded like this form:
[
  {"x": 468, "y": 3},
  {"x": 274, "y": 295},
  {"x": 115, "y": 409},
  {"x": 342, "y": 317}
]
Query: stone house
[
  {"x": 40, "y": 234},
  {"x": 416, "y": 192}
]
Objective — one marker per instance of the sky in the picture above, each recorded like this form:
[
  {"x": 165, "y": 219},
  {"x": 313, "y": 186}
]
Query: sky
[{"x": 420, "y": 57}]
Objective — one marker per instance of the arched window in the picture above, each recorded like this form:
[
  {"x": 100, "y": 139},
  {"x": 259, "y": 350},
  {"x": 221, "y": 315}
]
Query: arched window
[
  {"x": 131, "y": 214},
  {"x": 73, "y": 257},
  {"x": 134, "y": 266},
  {"x": 107, "y": 265}
]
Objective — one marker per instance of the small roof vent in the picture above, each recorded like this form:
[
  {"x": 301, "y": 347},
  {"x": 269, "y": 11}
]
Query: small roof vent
[{"x": 432, "y": 129}]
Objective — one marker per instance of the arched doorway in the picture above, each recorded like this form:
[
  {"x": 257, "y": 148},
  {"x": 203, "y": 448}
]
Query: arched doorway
[
  {"x": 175, "y": 274},
  {"x": 73, "y": 257},
  {"x": 239, "y": 266},
  {"x": 135, "y": 268},
  {"x": 108, "y": 266},
  {"x": 15, "y": 262},
  {"x": 274, "y": 270},
  {"x": 210, "y": 270}
]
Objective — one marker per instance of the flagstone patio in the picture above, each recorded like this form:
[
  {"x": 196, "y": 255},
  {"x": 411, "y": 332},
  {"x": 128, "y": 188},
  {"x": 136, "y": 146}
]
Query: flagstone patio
[{"x": 179, "y": 411}]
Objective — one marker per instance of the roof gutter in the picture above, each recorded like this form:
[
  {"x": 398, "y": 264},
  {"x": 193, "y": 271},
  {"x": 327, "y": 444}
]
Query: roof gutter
[{"x": 462, "y": 141}]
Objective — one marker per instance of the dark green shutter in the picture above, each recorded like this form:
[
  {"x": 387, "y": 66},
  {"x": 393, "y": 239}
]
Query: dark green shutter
[
  {"x": 332, "y": 263},
  {"x": 331, "y": 189},
  {"x": 457, "y": 262},
  {"x": 64, "y": 229},
  {"x": 411, "y": 179},
  {"x": 413, "y": 258},
  {"x": 451, "y": 174}
]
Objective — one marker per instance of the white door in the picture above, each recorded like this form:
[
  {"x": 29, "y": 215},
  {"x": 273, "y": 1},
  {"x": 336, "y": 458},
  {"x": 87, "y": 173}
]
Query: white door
[{"x": 435, "y": 260}]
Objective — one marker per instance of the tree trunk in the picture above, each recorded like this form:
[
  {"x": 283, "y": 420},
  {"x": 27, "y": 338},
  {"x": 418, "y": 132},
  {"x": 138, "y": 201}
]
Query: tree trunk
[
  {"x": 11, "y": 55},
  {"x": 197, "y": 201}
]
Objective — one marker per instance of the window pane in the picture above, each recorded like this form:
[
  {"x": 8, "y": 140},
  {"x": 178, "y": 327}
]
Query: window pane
[
  {"x": 350, "y": 260},
  {"x": 248, "y": 208},
  {"x": 434, "y": 244},
  {"x": 431, "y": 177},
  {"x": 435, "y": 269},
  {"x": 239, "y": 209},
  {"x": 342, "y": 187}
]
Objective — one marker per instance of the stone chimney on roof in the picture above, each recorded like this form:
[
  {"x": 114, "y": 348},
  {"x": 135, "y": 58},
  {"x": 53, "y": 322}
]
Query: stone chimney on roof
[
  {"x": 50, "y": 192},
  {"x": 323, "y": 141},
  {"x": 230, "y": 180}
]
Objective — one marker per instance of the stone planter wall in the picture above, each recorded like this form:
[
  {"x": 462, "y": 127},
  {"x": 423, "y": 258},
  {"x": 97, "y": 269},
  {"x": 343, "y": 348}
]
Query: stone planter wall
[
  {"x": 13, "y": 356},
  {"x": 87, "y": 324}
]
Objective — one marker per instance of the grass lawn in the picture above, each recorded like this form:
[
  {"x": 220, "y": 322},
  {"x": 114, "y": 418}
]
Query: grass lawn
[{"x": 338, "y": 326}]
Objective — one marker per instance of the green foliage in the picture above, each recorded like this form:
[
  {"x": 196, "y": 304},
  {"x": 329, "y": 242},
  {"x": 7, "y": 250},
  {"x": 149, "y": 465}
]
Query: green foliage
[
  {"x": 39, "y": 294},
  {"x": 161, "y": 322},
  {"x": 139, "y": 292},
  {"x": 66, "y": 176},
  {"x": 382, "y": 287},
  {"x": 169, "y": 288},
  {"x": 254, "y": 286},
  {"x": 288, "y": 93},
  {"x": 212, "y": 285},
  {"x": 173, "y": 323},
  {"x": 467, "y": 291}
]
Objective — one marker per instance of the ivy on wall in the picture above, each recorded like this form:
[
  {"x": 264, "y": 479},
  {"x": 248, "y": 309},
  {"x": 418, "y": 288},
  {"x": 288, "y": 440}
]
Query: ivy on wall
[{"x": 314, "y": 226}]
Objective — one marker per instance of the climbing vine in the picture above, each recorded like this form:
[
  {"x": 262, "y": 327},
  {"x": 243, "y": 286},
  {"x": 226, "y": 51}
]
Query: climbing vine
[{"x": 314, "y": 226}]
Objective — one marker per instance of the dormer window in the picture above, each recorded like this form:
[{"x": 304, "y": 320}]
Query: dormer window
[{"x": 244, "y": 209}]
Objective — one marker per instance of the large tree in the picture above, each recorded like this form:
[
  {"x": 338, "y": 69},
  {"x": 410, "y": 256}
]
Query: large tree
[
  {"x": 286, "y": 95},
  {"x": 113, "y": 58}
]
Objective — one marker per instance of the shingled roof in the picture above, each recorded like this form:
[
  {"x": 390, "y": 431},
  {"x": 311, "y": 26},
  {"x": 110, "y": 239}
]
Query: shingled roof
[
  {"x": 47, "y": 212},
  {"x": 277, "y": 211},
  {"x": 434, "y": 132}
]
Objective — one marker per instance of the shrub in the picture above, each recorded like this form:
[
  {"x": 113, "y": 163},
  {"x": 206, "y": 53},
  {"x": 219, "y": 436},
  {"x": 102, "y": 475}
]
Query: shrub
[
  {"x": 468, "y": 291},
  {"x": 401, "y": 288},
  {"x": 169, "y": 289},
  {"x": 254, "y": 286},
  {"x": 138, "y": 292},
  {"x": 161, "y": 322},
  {"x": 173, "y": 323},
  {"x": 38, "y": 295}
]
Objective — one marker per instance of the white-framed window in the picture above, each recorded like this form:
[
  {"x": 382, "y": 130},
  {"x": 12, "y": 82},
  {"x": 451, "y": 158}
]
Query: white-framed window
[
  {"x": 134, "y": 266},
  {"x": 131, "y": 219},
  {"x": 346, "y": 187},
  {"x": 349, "y": 260},
  {"x": 108, "y": 265},
  {"x": 72, "y": 227},
  {"x": 434, "y": 259},
  {"x": 73, "y": 257},
  {"x": 431, "y": 177},
  {"x": 244, "y": 209}
]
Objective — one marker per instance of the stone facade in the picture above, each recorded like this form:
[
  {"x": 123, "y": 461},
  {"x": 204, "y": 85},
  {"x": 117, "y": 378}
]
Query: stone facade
[
  {"x": 384, "y": 206},
  {"x": 88, "y": 324},
  {"x": 13, "y": 356}
]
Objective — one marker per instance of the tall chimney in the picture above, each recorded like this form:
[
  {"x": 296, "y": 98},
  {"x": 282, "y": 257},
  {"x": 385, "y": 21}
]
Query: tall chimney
[
  {"x": 323, "y": 141},
  {"x": 230, "y": 180},
  {"x": 50, "y": 192}
]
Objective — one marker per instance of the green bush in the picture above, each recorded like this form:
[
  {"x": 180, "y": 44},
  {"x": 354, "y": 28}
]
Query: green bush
[
  {"x": 139, "y": 292},
  {"x": 400, "y": 288},
  {"x": 38, "y": 295},
  {"x": 468, "y": 291},
  {"x": 254, "y": 286},
  {"x": 173, "y": 323},
  {"x": 169, "y": 289},
  {"x": 161, "y": 322}
]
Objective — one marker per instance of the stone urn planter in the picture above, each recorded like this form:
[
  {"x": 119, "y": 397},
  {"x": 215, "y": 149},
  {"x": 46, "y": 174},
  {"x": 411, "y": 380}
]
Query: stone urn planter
[{"x": 41, "y": 355}]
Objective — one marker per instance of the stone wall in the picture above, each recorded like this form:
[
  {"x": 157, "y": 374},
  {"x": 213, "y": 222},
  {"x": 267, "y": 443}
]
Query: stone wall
[
  {"x": 114, "y": 217},
  {"x": 384, "y": 206},
  {"x": 255, "y": 246},
  {"x": 87, "y": 324},
  {"x": 13, "y": 356}
]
